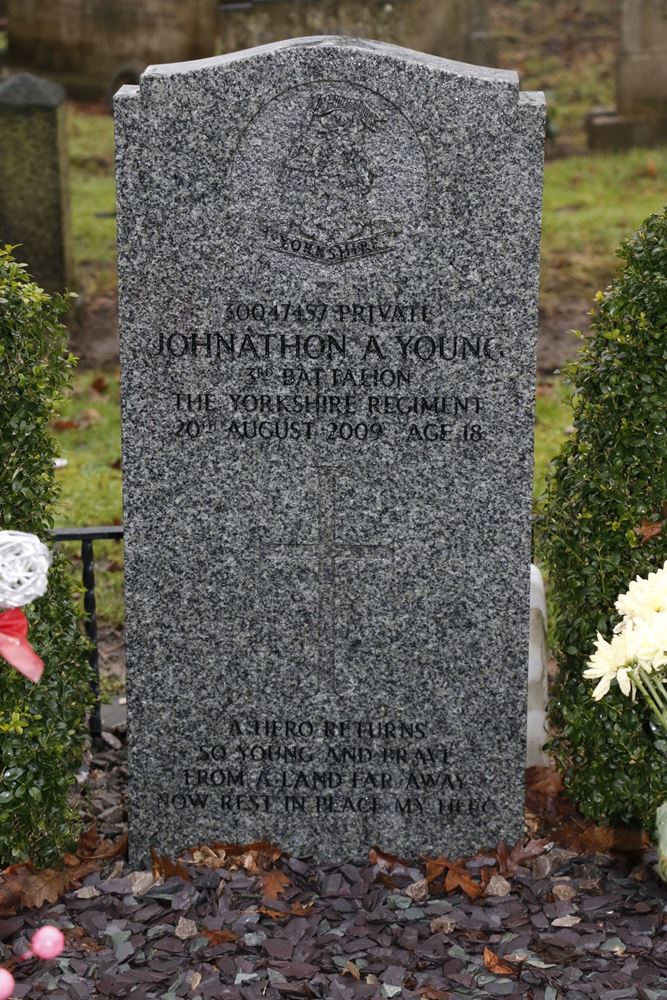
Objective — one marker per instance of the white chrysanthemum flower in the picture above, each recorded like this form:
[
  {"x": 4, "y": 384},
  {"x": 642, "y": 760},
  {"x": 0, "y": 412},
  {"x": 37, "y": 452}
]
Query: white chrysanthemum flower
[
  {"x": 648, "y": 641},
  {"x": 24, "y": 565},
  {"x": 611, "y": 661},
  {"x": 644, "y": 596}
]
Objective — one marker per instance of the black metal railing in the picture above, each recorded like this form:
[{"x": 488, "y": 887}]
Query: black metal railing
[{"x": 87, "y": 537}]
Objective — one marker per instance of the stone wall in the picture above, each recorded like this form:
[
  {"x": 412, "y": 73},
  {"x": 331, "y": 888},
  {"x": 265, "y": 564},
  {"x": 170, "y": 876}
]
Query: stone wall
[
  {"x": 92, "y": 46},
  {"x": 457, "y": 29},
  {"x": 642, "y": 70}
]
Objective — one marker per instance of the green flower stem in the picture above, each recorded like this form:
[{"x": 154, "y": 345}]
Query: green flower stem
[
  {"x": 657, "y": 690},
  {"x": 654, "y": 699}
]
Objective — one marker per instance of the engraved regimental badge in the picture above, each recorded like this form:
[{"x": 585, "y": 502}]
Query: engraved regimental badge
[{"x": 341, "y": 176}]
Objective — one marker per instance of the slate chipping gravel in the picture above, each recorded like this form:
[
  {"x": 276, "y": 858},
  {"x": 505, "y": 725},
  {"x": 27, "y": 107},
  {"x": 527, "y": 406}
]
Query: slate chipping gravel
[{"x": 122, "y": 943}]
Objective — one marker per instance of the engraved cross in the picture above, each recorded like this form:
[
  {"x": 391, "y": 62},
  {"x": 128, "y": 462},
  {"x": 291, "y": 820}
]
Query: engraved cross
[{"x": 328, "y": 548}]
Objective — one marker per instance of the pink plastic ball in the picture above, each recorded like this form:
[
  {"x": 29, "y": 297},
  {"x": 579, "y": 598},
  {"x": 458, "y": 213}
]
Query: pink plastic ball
[
  {"x": 6, "y": 984},
  {"x": 47, "y": 942}
]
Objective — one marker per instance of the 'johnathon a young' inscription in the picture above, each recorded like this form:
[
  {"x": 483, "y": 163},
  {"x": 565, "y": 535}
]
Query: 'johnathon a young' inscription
[{"x": 328, "y": 259}]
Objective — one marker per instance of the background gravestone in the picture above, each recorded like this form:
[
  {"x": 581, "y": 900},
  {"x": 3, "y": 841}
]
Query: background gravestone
[
  {"x": 328, "y": 256},
  {"x": 458, "y": 29},
  {"x": 34, "y": 190},
  {"x": 640, "y": 118},
  {"x": 92, "y": 46}
]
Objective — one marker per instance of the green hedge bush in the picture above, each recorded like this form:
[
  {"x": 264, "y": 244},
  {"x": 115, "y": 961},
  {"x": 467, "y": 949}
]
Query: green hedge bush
[
  {"x": 609, "y": 480},
  {"x": 42, "y": 726}
]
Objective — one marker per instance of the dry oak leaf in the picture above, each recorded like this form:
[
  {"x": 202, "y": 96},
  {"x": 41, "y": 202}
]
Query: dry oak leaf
[
  {"x": 352, "y": 970},
  {"x": 458, "y": 877},
  {"x": 435, "y": 867},
  {"x": 385, "y": 862},
  {"x": 617, "y": 838},
  {"x": 509, "y": 862},
  {"x": 301, "y": 909},
  {"x": 273, "y": 914},
  {"x": 273, "y": 883},
  {"x": 431, "y": 993},
  {"x": 496, "y": 964},
  {"x": 92, "y": 847},
  {"x": 254, "y": 858},
  {"x": 648, "y": 530},
  {"x": 22, "y": 887},
  {"x": 208, "y": 858},
  {"x": 164, "y": 868},
  {"x": 219, "y": 937},
  {"x": 544, "y": 788}
]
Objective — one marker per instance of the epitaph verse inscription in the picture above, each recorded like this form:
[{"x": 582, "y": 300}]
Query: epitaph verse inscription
[
  {"x": 345, "y": 176},
  {"x": 328, "y": 265}
]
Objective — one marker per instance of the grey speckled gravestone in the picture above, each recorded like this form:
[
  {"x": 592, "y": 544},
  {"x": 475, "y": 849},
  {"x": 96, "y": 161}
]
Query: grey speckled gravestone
[
  {"x": 329, "y": 266},
  {"x": 34, "y": 185}
]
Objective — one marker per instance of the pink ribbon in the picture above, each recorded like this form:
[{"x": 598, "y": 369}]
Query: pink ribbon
[{"x": 14, "y": 645}]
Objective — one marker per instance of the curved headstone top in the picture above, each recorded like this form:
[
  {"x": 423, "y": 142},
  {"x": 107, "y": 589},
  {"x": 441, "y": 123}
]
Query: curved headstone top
[
  {"x": 334, "y": 43},
  {"x": 328, "y": 260},
  {"x": 28, "y": 90}
]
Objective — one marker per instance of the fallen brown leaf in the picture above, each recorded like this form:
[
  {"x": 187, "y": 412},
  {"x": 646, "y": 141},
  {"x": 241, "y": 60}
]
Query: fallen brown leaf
[
  {"x": 23, "y": 887},
  {"x": 300, "y": 909},
  {"x": 385, "y": 862},
  {"x": 509, "y": 862},
  {"x": 545, "y": 797},
  {"x": 458, "y": 877},
  {"x": 648, "y": 530},
  {"x": 164, "y": 868},
  {"x": 494, "y": 963},
  {"x": 256, "y": 857},
  {"x": 273, "y": 883},
  {"x": 107, "y": 849},
  {"x": 219, "y": 937},
  {"x": 100, "y": 384},
  {"x": 351, "y": 969},
  {"x": 268, "y": 911},
  {"x": 618, "y": 838},
  {"x": 80, "y": 940},
  {"x": 434, "y": 868}
]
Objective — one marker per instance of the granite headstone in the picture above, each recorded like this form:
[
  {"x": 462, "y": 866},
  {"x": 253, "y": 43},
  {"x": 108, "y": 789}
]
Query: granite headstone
[
  {"x": 34, "y": 178},
  {"x": 328, "y": 256}
]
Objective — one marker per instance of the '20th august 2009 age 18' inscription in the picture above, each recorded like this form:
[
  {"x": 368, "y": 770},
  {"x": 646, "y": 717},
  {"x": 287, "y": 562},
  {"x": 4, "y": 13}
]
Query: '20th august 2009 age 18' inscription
[{"x": 339, "y": 386}]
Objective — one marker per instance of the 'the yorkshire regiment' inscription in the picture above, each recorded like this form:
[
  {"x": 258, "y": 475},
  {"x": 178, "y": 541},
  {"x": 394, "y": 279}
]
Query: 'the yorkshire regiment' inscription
[{"x": 328, "y": 275}]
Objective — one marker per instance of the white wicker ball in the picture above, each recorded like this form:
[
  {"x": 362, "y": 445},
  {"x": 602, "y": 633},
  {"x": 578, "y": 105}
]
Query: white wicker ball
[{"x": 24, "y": 566}]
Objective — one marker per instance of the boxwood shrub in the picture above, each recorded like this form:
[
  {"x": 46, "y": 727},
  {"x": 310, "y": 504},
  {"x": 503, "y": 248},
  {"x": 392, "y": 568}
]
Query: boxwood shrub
[
  {"x": 42, "y": 726},
  {"x": 602, "y": 522}
]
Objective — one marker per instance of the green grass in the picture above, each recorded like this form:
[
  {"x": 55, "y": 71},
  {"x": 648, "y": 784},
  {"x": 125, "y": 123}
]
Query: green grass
[
  {"x": 566, "y": 49},
  {"x": 552, "y": 419},
  {"x": 91, "y": 481},
  {"x": 591, "y": 203},
  {"x": 93, "y": 190}
]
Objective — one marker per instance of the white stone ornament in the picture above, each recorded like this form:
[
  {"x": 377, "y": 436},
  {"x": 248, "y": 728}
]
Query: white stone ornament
[
  {"x": 537, "y": 674},
  {"x": 24, "y": 566}
]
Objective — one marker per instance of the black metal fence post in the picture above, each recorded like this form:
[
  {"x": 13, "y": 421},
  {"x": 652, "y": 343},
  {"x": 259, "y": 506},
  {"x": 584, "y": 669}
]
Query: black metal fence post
[{"x": 87, "y": 536}]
